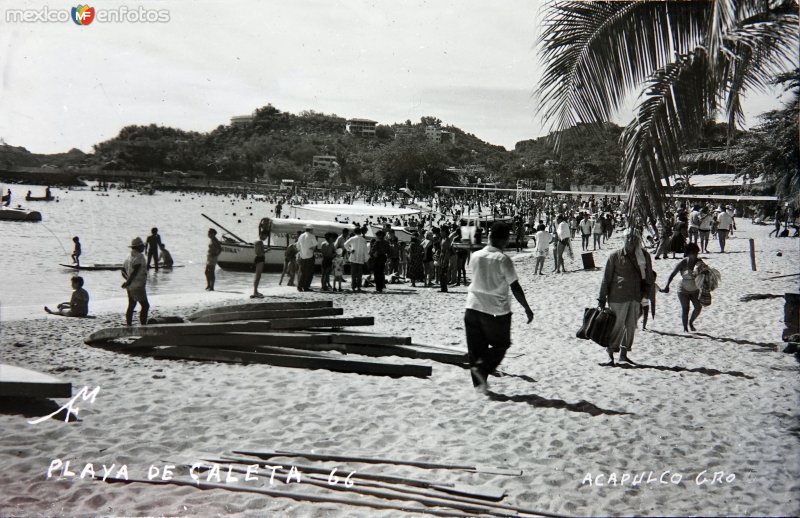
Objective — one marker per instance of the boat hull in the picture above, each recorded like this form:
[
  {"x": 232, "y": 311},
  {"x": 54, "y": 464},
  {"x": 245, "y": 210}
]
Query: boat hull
[
  {"x": 241, "y": 257},
  {"x": 20, "y": 215}
]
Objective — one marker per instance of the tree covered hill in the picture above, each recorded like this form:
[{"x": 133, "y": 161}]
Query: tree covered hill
[{"x": 273, "y": 145}]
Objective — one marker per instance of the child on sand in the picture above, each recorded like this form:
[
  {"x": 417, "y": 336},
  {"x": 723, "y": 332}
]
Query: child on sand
[
  {"x": 78, "y": 306},
  {"x": 543, "y": 239},
  {"x": 76, "y": 253},
  {"x": 338, "y": 270}
]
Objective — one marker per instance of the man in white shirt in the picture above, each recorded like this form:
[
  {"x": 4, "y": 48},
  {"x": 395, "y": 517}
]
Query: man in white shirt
[
  {"x": 487, "y": 320},
  {"x": 357, "y": 247},
  {"x": 724, "y": 223},
  {"x": 306, "y": 245}
]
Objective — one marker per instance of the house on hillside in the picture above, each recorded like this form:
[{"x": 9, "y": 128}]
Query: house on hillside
[
  {"x": 439, "y": 135},
  {"x": 326, "y": 162},
  {"x": 241, "y": 120},
  {"x": 404, "y": 131},
  {"x": 361, "y": 127}
]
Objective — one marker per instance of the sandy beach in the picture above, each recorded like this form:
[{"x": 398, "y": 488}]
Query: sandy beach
[{"x": 718, "y": 405}]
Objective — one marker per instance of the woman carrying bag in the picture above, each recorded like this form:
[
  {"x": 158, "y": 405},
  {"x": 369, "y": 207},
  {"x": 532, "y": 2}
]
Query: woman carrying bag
[{"x": 693, "y": 272}]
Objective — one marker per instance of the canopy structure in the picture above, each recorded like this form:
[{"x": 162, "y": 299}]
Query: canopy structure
[
  {"x": 621, "y": 194},
  {"x": 345, "y": 210},
  {"x": 716, "y": 180}
]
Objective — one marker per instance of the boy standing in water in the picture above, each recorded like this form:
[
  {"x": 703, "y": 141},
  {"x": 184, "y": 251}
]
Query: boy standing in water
[{"x": 76, "y": 252}]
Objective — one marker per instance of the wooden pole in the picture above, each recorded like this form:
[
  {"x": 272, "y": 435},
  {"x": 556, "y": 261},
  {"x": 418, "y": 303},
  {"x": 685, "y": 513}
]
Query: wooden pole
[{"x": 752, "y": 254}]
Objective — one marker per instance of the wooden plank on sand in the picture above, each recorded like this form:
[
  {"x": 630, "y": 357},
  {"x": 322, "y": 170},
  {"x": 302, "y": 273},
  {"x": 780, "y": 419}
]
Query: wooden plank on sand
[
  {"x": 303, "y": 362},
  {"x": 112, "y": 333},
  {"x": 308, "y": 323},
  {"x": 405, "y": 351},
  {"x": 377, "y": 460},
  {"x": 369, "y": 339},
  {"x": 18, "y": 381},
  {"x": 293, "y": 495},
  {"x": 270, "y": 314},
  {"x": 234, "y": 339},
  {"x": 262, "y": 306}
]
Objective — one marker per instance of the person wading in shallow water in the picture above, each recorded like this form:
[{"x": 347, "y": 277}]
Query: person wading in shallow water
[{"x": 487, "y": 319}]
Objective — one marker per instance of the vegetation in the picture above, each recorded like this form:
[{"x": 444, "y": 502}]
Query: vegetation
[
  {"x": 695, "y": 60},
  {"x": 772, "y": 148}
]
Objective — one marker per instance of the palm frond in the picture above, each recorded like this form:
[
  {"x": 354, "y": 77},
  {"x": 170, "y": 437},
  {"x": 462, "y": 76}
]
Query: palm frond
[
  {"x": 679, "y": 99},
  {"x": 596, "y": 53},
  {"x": 758, "y": 49}
]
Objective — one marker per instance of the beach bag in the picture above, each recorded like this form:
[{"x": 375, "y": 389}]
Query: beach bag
[
  {"x": 597, "y": 325},
  {"x": 705, "y": 297}
]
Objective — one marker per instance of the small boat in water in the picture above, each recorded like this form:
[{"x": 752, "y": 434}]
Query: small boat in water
[
  {"x": 19, "y": 214},
  {"x": 110, "y": 266},
  {"x": 48, "y": 196},
  {"x": 94, "y": 266}
]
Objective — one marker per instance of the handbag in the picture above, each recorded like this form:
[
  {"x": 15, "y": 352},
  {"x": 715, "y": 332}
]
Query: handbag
[
  {"x": 597, "y": 325},
  {"x": 705, "y": 297}
]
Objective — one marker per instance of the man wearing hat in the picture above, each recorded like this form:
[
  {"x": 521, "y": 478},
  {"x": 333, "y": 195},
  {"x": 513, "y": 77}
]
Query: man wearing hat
[
  {"x": 134, "y": 270},
  {"x": 306, "y": 244}
]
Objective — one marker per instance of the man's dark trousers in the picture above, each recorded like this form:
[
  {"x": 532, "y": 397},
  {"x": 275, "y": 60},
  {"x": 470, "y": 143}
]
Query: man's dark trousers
[{"x": 488, "y": 339}]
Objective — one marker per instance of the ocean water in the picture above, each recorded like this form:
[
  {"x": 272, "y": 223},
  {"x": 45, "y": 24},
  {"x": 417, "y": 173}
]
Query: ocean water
[{"x": 30, "y": 253}]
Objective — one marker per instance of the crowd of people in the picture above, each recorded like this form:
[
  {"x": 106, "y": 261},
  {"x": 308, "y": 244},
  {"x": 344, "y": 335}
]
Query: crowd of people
[{"x": 448, "y": 236}]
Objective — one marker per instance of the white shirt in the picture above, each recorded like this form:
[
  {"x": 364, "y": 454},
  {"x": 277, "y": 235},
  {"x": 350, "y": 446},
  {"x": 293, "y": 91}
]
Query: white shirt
[
  {"x": 724, "y": 221},
  {"x": 306, "y": 244},
  {"x": 357, "y": 246},
  {"x": 542, "y": 241},
  {"x": 586, "y": 227},
  {"x": 563, "y": 230},
  {"x": 133, "y": 260},
  {"x": 492, "y": 274}
]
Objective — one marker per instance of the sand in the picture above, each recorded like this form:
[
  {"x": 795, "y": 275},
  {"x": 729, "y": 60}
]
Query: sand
[{"x": 722, "y": 399}]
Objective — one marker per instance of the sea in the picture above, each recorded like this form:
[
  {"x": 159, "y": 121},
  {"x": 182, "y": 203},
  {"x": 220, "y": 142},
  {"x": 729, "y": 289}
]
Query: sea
[
  {"x": 31, "y": 254},
  {"x": 106, "y": 223}
]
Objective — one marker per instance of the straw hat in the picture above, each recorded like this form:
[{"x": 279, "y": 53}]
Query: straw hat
[{"x": 137, "y": 241}]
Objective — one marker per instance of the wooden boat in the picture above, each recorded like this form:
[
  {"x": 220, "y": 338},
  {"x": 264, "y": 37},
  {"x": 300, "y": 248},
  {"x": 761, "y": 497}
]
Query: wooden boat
[
  {"x": 94, "y": 266},
  {"x": 109, "y": 266},
  {"x": 40, "y": 198},
  {"x": 226, "y": 327},
  {"x": 238, "y": 254},
  {"x": 19, "y": 214},
  {"x": 20, "y": 382}
]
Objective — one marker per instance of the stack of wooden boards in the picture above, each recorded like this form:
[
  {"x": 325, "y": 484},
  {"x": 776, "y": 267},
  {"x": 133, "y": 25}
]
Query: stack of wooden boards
[{"x": 302, "y": 334}]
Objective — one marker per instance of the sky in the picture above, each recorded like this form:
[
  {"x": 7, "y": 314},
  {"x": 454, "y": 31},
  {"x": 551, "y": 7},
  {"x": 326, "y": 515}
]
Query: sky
[{"x": 471, "y": 63}]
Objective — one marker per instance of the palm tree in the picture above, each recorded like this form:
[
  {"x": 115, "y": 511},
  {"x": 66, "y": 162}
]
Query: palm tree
[{"x": 688, "y": 60}]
